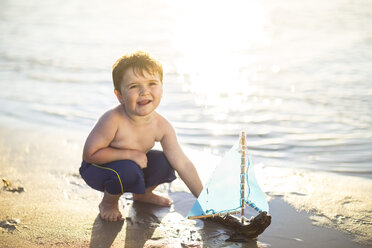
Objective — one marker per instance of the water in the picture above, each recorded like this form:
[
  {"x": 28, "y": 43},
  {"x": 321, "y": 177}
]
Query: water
[{"x": 296, "y": 75}]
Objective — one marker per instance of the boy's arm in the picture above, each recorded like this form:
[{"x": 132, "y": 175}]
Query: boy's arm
[
  {"x": 97, "y": 148},
  {"x": 180, "y": 161}
]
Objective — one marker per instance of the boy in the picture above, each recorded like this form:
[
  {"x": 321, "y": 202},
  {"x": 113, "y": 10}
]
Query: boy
[{"x": 117, "y": 155}]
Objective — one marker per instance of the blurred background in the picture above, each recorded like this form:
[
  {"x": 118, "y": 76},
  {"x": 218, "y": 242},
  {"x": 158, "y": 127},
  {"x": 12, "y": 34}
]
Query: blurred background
[{"x": 295, "y": 75}]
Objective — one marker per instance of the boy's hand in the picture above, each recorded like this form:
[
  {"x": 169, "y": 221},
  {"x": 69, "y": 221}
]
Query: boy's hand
[{"x": 139, "y": 157}]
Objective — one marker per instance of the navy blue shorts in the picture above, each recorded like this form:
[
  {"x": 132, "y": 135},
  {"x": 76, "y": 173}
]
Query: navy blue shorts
[{"x": 126, "y": 176}]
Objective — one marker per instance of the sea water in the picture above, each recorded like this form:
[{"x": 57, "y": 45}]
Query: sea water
[{"x": 295, "y": 75}]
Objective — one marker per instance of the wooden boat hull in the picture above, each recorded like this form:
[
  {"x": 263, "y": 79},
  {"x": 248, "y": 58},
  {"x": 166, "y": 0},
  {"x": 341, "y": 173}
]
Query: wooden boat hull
[{"x": 250, "y": 229}]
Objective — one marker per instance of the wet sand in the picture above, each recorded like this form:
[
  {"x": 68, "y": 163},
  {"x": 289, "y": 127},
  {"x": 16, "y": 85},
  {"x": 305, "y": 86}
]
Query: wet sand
[{"x": 57, "y": 209}]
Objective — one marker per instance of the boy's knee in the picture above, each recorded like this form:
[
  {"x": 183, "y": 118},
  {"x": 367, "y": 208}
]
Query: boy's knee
[
  {"x": 157, "y": 162},
  {"x": 129, "y": 177},
  {"x": 129, "y": 171},
  {"x": 158, "y": 169}
]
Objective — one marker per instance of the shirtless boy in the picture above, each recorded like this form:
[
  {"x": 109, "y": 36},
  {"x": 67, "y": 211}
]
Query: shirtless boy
[{"x": 117, "y": 156}]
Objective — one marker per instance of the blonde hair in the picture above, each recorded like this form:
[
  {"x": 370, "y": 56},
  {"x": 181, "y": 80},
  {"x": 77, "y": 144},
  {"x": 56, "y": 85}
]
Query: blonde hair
[{"x": 139, "y": 61}]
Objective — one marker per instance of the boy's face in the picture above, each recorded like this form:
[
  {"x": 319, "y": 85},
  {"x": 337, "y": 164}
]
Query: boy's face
[{"x": 139, "y": 94}]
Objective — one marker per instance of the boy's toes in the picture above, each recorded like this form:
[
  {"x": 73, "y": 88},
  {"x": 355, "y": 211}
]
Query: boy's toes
[
  {"x": 110, "y": 212},
  {"x": 103, "y": 216},
  {"x": 113, "y": 218},
  {"x": 167, "y": 202},
  {"x": 118, "y": 217},
  {"x": 161, "y": 200}
]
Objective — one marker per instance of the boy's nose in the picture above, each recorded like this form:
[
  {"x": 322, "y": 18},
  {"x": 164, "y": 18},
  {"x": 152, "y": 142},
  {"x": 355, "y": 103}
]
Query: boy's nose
[{"x": 143, "y": 90}]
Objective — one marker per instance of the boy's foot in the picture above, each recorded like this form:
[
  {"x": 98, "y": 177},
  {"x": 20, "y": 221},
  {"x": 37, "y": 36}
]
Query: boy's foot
[
  {"x": 109, "y": 208},
  {"x": 150, "y": 197}
]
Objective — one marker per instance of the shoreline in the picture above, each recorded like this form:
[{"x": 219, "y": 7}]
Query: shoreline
[{"x": 57, "y": 209}]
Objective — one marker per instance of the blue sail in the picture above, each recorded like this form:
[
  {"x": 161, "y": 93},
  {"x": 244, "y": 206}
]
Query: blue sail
[
  {"x": 255, "y": 198},
  {"x": 222, "y": 192}
]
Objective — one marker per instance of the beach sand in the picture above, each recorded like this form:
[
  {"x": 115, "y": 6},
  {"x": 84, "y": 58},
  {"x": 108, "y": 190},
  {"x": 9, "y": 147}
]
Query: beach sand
[{"x": 49, "y": 205}]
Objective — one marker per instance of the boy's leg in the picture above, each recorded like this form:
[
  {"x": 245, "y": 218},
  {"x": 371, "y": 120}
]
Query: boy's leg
[
  {"x": 113, "y": 179},
  {"x": 158, "y": 171}
]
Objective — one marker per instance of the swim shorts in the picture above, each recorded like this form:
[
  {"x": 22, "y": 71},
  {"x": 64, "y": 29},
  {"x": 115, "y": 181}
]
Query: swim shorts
[{"x": 123, "y": 176}]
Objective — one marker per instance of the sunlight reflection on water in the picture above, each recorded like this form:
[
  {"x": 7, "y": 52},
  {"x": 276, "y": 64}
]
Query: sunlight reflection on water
[{"x": 296, "y": 75}]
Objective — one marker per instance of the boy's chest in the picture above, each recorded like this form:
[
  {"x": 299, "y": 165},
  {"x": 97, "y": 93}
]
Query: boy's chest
[{"x": 136, "y": 138}]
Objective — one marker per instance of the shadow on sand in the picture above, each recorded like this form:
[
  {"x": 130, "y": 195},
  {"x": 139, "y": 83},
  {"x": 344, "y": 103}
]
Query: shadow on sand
[
  {"x": 147, "y": 225},
  {"x": 142, "y": 221},
  {"x": 104, "y": 233},
  {"x": 152, "y": 226}
]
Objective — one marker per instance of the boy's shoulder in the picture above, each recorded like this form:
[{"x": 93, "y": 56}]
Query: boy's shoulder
[
  {"x": 161, "y": 120},
  {"x": 113, "y": 114},
  {"x": 164, "y": 127}
]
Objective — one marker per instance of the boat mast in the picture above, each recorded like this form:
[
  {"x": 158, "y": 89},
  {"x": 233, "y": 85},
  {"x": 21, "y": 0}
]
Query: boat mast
[{"x": 242, "y": 175}]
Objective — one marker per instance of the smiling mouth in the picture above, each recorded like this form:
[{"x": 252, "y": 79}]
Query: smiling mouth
[{"x": 143, "y": 102}]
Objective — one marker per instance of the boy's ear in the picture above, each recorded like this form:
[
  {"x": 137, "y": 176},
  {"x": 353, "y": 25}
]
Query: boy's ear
[{"x": 118, "y": 96}]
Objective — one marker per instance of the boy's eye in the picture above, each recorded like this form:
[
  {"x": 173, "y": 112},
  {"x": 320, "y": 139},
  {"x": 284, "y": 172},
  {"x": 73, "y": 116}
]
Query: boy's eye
[{"x": 132, "y": 86}]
